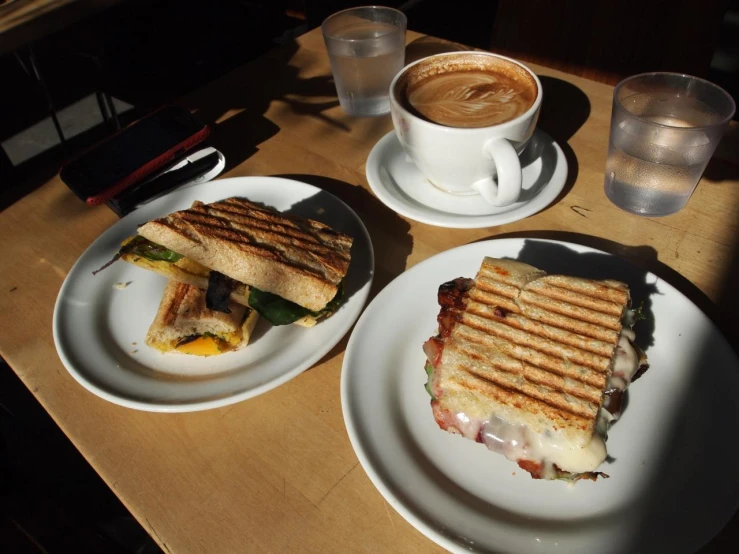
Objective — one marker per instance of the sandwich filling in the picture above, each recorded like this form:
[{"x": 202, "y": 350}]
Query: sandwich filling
[
  {"x": 517, "y": 372},
  {"x": 184, "y": 324},
  {"x": 221, "y": 289},
  {"x": 207, "y": 344}
]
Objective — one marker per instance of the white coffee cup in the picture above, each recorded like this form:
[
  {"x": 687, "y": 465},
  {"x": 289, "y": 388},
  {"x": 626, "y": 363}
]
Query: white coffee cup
[{"x": 457, "y": 89}]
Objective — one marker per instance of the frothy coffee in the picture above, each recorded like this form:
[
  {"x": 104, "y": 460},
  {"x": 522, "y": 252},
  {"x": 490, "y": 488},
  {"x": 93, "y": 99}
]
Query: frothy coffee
[{"x": 467, "y": 90}]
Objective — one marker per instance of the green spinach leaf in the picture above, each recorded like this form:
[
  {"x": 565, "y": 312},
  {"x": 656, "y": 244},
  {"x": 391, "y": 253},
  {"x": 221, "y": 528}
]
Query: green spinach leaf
[
  {"x": 143, "y": 248},
  {"x": 430, "y": 373},
  {"x": 150, "y": 250},
  {"x": 279, "y": 311},
  {"x": 275, "y": 309}
]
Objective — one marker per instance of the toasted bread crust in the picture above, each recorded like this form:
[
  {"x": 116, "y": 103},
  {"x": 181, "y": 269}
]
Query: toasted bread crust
[
  {"x": 534, "y": 349},
  {"x": 298, "y": 259}
]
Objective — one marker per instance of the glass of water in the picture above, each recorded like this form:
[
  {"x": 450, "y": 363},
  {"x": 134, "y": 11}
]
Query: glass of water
[
  {"x": 664, "y": 129},
  {"x": 366, "y": 46}
]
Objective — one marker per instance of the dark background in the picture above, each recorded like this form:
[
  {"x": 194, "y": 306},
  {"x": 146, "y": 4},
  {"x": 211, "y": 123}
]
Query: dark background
[{"x": 147, "y": 53}]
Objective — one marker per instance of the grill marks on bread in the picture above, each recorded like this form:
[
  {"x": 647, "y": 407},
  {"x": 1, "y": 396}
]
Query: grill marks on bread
[
  {"x": 540, "y": 344},
  {"x": 300, "y": 243},
  {"x": 299, "y": 259}
]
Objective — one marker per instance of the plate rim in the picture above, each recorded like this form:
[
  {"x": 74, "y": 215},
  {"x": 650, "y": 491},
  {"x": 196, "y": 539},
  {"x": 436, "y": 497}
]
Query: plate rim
[
  {"x": 458, "y": 221},
  {"x": 201, "y": 405},
  {"x": 363, "y": 449}
]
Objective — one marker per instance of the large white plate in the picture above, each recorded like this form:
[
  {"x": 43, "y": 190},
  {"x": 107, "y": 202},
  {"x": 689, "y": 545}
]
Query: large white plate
[
  {"x": 672, "y": 482},
  {"x": 99, "y": 329}
]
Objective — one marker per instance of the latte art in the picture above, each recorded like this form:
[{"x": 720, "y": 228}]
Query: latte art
[
  {"x": 467, "y": 90},
  {"x": 468, "y": 99}
]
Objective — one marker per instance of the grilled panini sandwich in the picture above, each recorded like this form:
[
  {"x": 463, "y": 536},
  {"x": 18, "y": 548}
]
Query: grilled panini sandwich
[
  {"x": 184, "y": 324},
  {"x": 530, "y": 364},
  {"x": 287, "y": 268}
]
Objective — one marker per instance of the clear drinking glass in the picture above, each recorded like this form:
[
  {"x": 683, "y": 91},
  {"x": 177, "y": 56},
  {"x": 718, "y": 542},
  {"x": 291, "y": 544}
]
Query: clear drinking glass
[
  {"x": 366, "y": 47},
  {"x": 664, "y": 129}
]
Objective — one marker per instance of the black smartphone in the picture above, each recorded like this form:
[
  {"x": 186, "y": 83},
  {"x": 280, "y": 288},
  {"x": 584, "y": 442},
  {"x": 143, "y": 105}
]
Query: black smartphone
[{"x": 132, "y": 154}]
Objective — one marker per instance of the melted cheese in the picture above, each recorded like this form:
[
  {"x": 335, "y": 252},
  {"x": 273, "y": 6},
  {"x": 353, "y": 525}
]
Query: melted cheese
[{"x": 518, "y": 442}]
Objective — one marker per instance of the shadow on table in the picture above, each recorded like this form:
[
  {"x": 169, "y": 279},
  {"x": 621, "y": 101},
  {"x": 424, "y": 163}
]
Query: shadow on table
[
  {"x": 51, "y": 499},
  {"x": 234, "y": 106},
  {"x": 249, "y": 92},
  {"x": 724, "y": 164},
  {"x": 564, "y": 109},
  {"x": 719, "y": 170},
  {"x": 424, "y": 47}
]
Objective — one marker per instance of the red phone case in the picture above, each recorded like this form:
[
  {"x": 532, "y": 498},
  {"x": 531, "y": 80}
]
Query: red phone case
[{"x": 149, "y": 167}]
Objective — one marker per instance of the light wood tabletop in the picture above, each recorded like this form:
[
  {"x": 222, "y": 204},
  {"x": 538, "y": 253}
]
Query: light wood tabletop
[{"x": 277, "y": 473}]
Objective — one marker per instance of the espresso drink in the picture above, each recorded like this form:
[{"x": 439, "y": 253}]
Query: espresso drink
[{"x": 467, "y": 90}]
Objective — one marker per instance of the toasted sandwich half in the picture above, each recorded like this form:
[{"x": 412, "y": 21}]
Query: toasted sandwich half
[
  {"x": 184, "y": 324},
  {"x": 528, "y": 363},
  {"x": 287, "y": 268}
]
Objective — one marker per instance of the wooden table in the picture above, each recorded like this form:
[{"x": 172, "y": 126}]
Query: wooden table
[{"x": 277, "y": 473}]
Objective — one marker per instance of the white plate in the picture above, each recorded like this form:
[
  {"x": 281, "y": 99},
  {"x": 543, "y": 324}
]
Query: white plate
[
  {"x": 672, "y": 482},
  {"x": 398, "y": 183},
  {"x": 99, "y": 330}
]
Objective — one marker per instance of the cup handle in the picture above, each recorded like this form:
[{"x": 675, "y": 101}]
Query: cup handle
[{"x": 508, "y": 187}]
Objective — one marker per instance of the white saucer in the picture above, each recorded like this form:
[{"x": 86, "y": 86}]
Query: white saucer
[{"x": 396, "y": 181}]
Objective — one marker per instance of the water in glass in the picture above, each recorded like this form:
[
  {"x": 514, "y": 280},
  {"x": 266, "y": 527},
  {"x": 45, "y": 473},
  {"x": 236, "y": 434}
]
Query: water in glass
[
  {"x": 654, "y": 169},
  {"x": 365, "y": 63}
]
